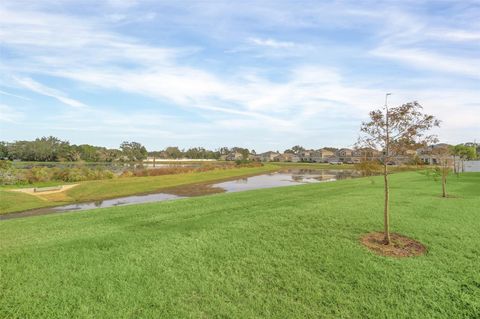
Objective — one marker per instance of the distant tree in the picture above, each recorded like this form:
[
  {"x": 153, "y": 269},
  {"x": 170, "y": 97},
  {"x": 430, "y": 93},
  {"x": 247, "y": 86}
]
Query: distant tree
[
  {"x": 133, "y": 151},
  {"x": 199, "y": 153},
  {"x": 331, "y": 149},
  {"x": 394, "y": 131},
  {"x": 90, "y": 153},
  {"x": 73, "y": 155},
  {"x": 173, "y": 152},
  {"x": 41, "y": 149},
  {"x": 461, "y": 153},
  {"x": 110, "y": 155},
  {"x": 244, "y": 151},
  {"x": 3, "y": 150},
  {"x": 469, "y": 153},
  {"x": 297, "y": 149},
  {"x": 224, "y": 150}
]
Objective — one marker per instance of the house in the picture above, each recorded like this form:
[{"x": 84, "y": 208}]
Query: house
[
  {"x": 306, "y": 156},
  {"x": 325, "y": 155},
  {"x": 430, "y": 154},
  {"x": 344, "y": 155},
  {"x": 268, "y": 156},
  {"x": 318, "y": 156},
  {"x": 254, "y": 157},
  {"x": 365, "y": 154},
  {"x": 406, "y": 157},
  {"x": 292, "y": 157},
  {"x": 287, "y": 157},
  {"x": 234, "y": 156}
]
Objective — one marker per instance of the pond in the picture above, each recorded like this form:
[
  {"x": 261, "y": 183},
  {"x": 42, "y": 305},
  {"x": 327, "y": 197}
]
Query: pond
[{"x": 276, "y": 179}]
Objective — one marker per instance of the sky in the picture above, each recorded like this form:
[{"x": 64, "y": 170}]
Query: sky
[{"x": 265, "y": 75}]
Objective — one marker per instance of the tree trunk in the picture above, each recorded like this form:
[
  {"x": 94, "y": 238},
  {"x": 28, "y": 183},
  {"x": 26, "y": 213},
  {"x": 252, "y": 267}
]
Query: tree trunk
[
  {"x": 444, "y": 182},
  {"x": 386, "y": 216},
  {"x": 456, "y": 166}
]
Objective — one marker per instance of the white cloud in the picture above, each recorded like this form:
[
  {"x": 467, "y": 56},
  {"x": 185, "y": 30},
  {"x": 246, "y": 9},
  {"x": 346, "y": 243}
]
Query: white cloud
[
  {"x": 14, "y": 95},
  {"x": 39, "y": 88},
  {"x": 272, "y": 43},
  {"x": 432, "y": 61},
  {"x": 457, "y": 35}
]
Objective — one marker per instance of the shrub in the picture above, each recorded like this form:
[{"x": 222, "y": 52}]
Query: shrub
[{"x": 38, "y": 174}]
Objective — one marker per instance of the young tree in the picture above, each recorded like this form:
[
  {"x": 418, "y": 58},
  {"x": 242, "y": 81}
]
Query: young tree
[
  {"x": 394, "y": 131},
  {"x": 444, "y": 157},
  {"x": 462, "y": 152}
]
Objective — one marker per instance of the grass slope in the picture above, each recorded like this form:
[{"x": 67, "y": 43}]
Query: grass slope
[
  {"x": 103, "y": 189},
  {"x": 274, "y": 253}
]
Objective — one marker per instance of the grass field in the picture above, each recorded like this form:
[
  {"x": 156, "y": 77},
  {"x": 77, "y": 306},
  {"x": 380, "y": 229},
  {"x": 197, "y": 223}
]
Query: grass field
[
  {"x": 104, "y": 189},
  {"x": 289, "y": 252}
]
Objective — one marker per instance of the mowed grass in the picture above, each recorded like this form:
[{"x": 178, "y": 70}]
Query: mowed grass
[
  {"x": 290, "y": 252},
  {"x": 104, "y": 189}
]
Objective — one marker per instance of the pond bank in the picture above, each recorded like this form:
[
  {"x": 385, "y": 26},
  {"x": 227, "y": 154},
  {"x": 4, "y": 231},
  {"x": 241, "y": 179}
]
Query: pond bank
[{"x": 284, "y": 177}]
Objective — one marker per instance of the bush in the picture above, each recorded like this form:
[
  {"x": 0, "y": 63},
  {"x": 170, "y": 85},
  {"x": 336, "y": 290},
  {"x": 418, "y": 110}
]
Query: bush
[
  {"x": 39, "y": 174},
  {"x": 5, "y": 165}
]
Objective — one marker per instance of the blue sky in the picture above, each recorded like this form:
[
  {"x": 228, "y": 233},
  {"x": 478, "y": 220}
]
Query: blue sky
[{"x": 260, "y": 74}]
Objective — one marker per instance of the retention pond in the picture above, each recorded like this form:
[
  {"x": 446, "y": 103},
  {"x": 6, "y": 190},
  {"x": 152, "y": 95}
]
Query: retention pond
[{"x": 276, "y": 179}]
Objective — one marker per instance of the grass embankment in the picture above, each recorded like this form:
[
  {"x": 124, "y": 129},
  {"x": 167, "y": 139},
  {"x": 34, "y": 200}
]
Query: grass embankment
[
  {"x": 289, "y": 252},
  {"x": 104, "y": 189}
]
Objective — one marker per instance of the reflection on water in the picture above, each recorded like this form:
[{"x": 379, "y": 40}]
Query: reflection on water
[
  {"x": 128, "y": 200},
  {"x": 277, "y": 179},
  {"x": 285, "y": 178},
  {"x": 121, "y": 201}
]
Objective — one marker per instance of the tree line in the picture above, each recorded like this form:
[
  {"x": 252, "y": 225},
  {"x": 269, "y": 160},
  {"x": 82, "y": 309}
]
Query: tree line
[{"x": 53, "y": 149}]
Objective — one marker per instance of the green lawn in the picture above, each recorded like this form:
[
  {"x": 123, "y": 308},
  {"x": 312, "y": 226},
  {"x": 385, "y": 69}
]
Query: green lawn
[
  {"x": 289, "y": 252},
  {"x": 103, "y": 189}
]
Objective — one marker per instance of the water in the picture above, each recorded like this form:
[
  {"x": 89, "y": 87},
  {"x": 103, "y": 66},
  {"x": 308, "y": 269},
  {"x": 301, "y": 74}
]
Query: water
[
  {"x": 276, "y": 179},
  {"x": 285, "y": 178}
]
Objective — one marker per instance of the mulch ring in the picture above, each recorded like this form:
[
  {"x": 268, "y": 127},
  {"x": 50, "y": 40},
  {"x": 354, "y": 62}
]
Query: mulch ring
[{"x": 400, "y": 246}]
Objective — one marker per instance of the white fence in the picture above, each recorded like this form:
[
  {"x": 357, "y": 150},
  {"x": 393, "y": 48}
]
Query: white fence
[{"x": 471, "y": 166}]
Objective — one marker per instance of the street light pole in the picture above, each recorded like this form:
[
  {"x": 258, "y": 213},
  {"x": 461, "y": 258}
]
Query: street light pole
[{"x": 386, "y": 216}]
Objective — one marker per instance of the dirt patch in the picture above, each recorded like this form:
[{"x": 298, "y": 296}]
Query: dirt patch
[
  {"x": 193, "y": 190},
  {"x": 400, "y": 246},
  {"x": 31, "y": 191}
]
